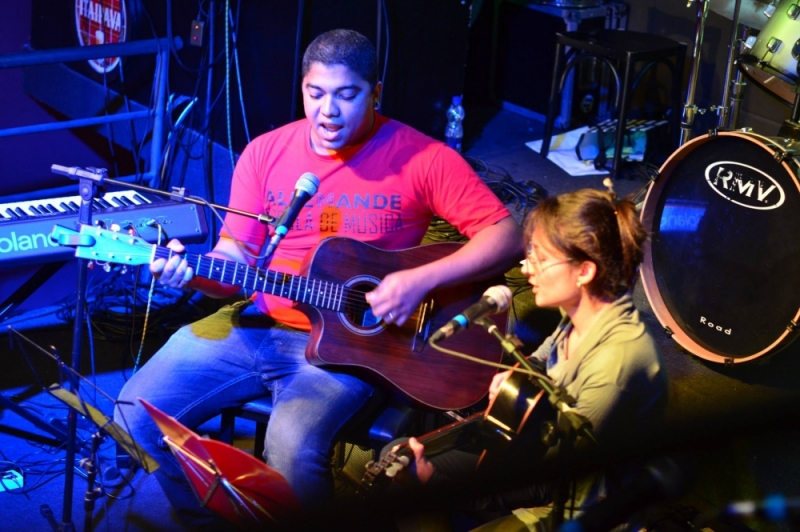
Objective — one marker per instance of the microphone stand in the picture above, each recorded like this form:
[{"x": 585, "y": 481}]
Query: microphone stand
[
  {"x": 569, "y": 424},
  {"x": 88, "y": 190},
  {"x": 91, "y": 183},
  {"x": 177, "y": 194}
]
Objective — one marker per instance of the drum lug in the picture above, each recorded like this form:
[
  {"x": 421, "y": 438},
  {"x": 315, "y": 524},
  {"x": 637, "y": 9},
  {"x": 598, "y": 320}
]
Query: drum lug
[
  {"x": 668, "y": 332},
  {"x": 792, "y": 325},
  {"x": 728, "y": 362},
  {"x": 781, "y": 156}
]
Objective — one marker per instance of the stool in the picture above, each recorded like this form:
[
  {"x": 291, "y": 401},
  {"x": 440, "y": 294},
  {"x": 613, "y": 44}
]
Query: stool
[
  {"x": 377, "y": 430},
  {"x": 616, "y": 48}
]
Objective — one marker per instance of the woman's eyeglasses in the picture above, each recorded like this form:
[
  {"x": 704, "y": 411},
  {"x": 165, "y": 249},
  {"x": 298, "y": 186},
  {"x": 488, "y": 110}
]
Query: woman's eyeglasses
[{"x": 541, "y": 266}]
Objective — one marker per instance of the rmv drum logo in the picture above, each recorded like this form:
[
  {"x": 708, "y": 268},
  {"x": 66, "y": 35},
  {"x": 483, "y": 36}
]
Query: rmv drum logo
[
  {"x": 745, "y": 185},
  {"x": 101, "y": 22}
]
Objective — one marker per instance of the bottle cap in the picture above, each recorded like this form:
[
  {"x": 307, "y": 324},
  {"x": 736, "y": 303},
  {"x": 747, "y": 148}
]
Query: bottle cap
[{"x": 457, "y": 99}]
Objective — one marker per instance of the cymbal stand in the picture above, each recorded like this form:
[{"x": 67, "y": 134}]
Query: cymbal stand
[{"x": 690, "y": 109}]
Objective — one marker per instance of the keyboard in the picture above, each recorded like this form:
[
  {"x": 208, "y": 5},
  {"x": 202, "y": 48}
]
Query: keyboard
[{"x": 25, "y": 226}]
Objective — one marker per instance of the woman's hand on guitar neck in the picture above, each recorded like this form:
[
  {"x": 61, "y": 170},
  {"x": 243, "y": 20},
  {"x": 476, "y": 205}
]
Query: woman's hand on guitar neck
[
  {"x": 422, "y": 467},
  {"x": 497, "y": 383}
]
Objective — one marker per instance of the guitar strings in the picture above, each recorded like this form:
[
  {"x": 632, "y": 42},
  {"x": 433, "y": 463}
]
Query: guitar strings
[{"x": 352, "y": 297}]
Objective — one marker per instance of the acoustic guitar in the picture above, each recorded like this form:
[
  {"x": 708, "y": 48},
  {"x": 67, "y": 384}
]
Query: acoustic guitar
[{"x": 336, "y": 277}]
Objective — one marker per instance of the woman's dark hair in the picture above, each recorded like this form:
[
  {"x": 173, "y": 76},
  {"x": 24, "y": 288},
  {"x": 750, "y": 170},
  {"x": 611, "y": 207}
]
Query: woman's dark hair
[
  {"x": 595, "y": 226},
  {"x": 344, "y": 47}
]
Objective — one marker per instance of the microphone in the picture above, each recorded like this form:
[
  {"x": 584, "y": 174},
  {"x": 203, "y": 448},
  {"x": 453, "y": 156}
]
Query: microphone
[
  {"x": 304, "y": 190},
  {"x": 495, "y": 299}
]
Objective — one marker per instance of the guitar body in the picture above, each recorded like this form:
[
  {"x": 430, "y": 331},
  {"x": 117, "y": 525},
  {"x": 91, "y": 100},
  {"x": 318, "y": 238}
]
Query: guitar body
[
  {"x": 520, "y": 403},
  {"x": 401, "y": 355},
  {"x": 344, "y": 333}
]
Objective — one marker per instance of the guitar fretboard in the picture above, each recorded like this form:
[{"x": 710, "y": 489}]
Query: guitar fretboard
[{"x": 321, "y": 294}]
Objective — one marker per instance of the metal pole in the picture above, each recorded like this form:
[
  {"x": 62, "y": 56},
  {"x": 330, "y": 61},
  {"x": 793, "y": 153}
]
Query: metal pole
[
  {"x": 84, "y": 53},
  {"x": 157, "y": 140},
  {"x": 724, "y": 108},
  {"x": 689, "y": 110}
]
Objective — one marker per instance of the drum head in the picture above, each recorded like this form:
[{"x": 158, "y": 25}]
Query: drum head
[{"x": 722, "y": 265}]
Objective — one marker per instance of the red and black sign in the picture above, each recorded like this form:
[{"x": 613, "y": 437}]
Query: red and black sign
[{"x": 101, "y": 22}]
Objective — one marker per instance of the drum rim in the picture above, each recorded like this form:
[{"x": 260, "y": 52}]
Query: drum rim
[{"x": 647, "y": 270}]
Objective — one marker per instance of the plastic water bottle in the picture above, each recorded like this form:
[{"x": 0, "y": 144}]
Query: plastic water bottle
[{"x": 454, "y": 132}]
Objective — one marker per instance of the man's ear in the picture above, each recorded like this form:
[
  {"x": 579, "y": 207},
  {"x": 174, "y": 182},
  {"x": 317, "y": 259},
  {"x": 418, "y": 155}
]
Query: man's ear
[{"x": 376, "y": 94}]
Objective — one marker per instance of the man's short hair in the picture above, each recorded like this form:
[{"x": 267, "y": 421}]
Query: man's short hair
[{"x": 344, "y": 47}]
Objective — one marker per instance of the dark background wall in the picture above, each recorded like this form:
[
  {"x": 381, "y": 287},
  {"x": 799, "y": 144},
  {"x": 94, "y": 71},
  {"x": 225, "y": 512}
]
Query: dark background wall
[
  {"x": 435, "y": 50},
  {"x": 431, "y": 51}
]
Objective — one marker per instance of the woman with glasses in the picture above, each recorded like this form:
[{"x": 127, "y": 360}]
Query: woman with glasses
[{"x": 584, "y": 249}]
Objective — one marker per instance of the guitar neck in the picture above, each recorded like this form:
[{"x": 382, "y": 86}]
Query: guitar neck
[
  {"x": 452, "y": 436},
  {"x": 317, "y": 293}
]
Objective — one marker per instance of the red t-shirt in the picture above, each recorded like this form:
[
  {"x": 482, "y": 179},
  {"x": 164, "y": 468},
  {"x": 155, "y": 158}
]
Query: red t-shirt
[{"x": 384, "y": 191}]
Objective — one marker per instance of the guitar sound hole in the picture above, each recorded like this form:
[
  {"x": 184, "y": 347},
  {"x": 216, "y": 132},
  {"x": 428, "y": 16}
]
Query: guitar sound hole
[{"x": 357, "y": 310}]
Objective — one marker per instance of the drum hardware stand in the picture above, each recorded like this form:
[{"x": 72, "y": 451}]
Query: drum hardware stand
[
  {"x": 737, "y": 84},
  {"x": 791, "y": 127},
  {"x": 724, "y": 109},
  {"x": 732, "y": 90},
  {"x": 690, "y": 109}
]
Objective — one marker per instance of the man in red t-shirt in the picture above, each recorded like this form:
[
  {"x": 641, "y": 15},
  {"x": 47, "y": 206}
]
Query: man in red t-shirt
[{"x": 380, "y": 182}]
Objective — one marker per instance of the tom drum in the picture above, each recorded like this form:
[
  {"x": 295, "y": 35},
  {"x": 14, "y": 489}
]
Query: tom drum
[{"x": 772, "y": 60}]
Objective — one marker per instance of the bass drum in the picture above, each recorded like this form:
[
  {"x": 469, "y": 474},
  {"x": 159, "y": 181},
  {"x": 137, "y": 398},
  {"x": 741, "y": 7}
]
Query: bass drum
[{"x": 722, "y": 266}]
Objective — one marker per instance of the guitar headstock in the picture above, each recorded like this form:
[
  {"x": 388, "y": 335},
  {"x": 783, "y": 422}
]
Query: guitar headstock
[{"x": 102, "y": 245}]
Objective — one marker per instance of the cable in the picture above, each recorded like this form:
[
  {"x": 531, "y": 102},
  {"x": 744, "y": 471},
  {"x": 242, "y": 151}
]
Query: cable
[
  {"x": 524, "y": 195},
  {"x": 149, "y": 301},
  {"x": 136, "y": 150},
  {"x": 228, "y": 83},
  {"x": 109, "y": 129},
  {"x": 238, "y": 72},
  {"x": 386, "y": 48}
]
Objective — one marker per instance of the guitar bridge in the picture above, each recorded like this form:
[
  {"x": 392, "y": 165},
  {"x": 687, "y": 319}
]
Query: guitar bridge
[{"x": 424, "y": 321}]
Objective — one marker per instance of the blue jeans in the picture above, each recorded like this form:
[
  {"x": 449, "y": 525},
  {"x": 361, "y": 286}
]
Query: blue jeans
[{"x": 229, "y": 358}]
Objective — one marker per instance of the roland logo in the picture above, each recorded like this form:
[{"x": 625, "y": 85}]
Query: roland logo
[
  {"x": 716, "y": 327},
  {"x": 745, "y": 185},
  {"x": 15, "y": 243}
]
